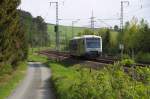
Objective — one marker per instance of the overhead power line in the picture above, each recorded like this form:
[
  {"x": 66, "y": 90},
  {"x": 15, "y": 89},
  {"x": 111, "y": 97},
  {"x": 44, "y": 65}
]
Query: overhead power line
[
  {"x": 113, "y": 19},
  {"x": 138, "y": 10},
  {"x": 122, "y": 14},
  {"x": 57, "y": 26},
  {"x": 104, "y": 23},
  {"x": 92, "y": 21}
]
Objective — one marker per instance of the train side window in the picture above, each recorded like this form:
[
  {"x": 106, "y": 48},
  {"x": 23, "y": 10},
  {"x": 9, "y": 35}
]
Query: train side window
[
  {"x": 74, "y": 45},
  {"x": 83, "y": 42}
]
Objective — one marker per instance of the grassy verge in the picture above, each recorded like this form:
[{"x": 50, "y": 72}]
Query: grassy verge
[
  {"x": 9, "y": 81},
  {"x": 109, "y": 83},
  {"x": 37, "y": 58}
]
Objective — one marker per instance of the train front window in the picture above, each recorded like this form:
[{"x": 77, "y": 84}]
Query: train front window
[{"x": 93, "y": 42}]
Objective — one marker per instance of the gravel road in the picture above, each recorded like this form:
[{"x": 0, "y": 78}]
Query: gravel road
[{"x": 36, "y": 84}]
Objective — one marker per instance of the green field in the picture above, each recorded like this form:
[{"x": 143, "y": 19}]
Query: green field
[
  {"x": 65, "y": 34},
  {"x": 64, "y": 31}
]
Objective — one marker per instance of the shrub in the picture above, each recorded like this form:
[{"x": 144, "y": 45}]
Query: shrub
[
  {"x": 109, "y": 83},
  {"x": 127, "y": 62},
  {"x": 143, "y": 75},
  {"x": 126, "y": 56},
  {"x": 143, "y": 57},
  {"x": 5, "y": 69}
]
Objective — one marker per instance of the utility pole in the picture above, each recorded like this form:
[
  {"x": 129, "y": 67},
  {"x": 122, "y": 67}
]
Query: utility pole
[
  {"x": 92, "y": 22},
  {"x": 73, "y": 28},
  {"x": 56, "y": 26},
  {"x": 122, "y": 14},
  {"x": 122, "y": 23},
  {"x": 73, "y": 22}
]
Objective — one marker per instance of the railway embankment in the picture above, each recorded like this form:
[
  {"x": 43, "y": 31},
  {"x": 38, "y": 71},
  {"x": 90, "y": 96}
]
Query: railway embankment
[{"x": 110, "y": 82}]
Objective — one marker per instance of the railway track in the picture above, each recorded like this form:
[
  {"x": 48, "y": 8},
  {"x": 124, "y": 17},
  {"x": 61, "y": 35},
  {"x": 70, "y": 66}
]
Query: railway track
[
  {"x": 55, "y": 55},
  {"x": 65, "y": 55}
]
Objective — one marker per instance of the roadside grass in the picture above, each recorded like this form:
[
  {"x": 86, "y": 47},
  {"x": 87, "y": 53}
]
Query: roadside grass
[
  {"x": 66, "y": 77},
  {"x": 8, "y": 82},
  {"x": 35, "y": 49},
  {"x": 37, "y": 58},
  {"x": 77, "y": 82}
]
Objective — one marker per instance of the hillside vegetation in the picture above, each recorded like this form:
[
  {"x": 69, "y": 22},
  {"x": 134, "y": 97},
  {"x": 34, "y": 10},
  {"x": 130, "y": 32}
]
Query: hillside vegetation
[
  {"x": 65, "y": 34},
  {"x": 109, "y": 83},
  {"x": 35, "y": 29}
]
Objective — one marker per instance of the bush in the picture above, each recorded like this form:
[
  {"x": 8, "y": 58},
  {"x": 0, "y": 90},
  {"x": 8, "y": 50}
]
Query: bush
[
  {"x": 127, "y": 62},
  {"x": 9, "y": 80},
  {"x": 109, "y": 83},
  {"x": 5, "y": 69},
  {"x": 126, "y": 56},
  {"x": 143, "y": 75},
  {"x": 143, "y": 57}
]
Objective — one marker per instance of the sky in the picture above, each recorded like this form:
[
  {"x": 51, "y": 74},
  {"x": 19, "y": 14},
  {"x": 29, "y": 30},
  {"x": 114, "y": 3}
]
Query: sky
[{"x": 71, "y": 10}]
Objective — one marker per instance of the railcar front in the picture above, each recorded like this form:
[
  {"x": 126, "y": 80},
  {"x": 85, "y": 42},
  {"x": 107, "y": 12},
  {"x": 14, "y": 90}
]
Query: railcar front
[{"x": 93, "y": 46}]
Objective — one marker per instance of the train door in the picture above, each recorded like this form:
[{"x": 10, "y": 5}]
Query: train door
[
  {"x": 78, "y": 48},
  {"x": 73, "y": 47},
  {"x": 81, "y": 47}
]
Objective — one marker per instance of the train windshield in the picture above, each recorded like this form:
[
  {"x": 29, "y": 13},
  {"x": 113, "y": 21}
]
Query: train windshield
[{"x": 93, "y": 42}]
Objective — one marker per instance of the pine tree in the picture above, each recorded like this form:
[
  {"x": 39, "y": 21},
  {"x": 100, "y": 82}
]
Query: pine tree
[{"x": 13, "y": 47}]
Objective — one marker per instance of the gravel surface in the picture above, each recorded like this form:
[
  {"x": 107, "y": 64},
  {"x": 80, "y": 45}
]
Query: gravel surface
[{"x": 36, "y": 84}]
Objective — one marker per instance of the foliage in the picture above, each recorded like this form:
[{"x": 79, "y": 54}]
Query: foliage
[
  {"x": 9, "y": 81},
  {"x": 34, "y": 57},
  {"x": 13, "y": 45},
  {"x": 106, "y": 41},
  {"x": 86, "y": 32},
  {"x": 143, "y": 75},
  {"x": 125, "y": 56},
  {"x": 143, "y": 57},
  {"x": 35, "y": 29},
  {"x": 112, "y": 82},
  {"x": 127, "y": 62},
  {"x": 109, "y": 83},
  {"x": 6, "y": 69},
  {"x": 136, "y": 36},
  {"x": 116, "y": 28}
]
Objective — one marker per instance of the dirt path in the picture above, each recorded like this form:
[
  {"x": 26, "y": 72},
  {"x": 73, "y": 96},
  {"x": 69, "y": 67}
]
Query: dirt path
[{"x": 36, "y": 84}]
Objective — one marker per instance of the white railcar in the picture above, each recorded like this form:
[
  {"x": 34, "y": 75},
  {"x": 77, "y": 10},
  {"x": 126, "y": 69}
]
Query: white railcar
[{"x": 87, "y": 45}]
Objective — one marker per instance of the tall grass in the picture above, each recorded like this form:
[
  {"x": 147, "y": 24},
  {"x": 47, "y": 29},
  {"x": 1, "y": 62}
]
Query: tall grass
[
  {"x": 109, "y": 83},
  {"x": 10, "y": 80}
]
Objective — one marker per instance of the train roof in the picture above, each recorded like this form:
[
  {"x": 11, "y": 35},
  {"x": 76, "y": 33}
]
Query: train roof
[{"x": 86, "y": 36}]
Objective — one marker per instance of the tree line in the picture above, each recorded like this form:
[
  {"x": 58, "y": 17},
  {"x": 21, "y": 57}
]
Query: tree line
[
  {"x": 35, "y": 28},
  {"x": 18, "y": 31},
  {"x": 13, "y": 43}
]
